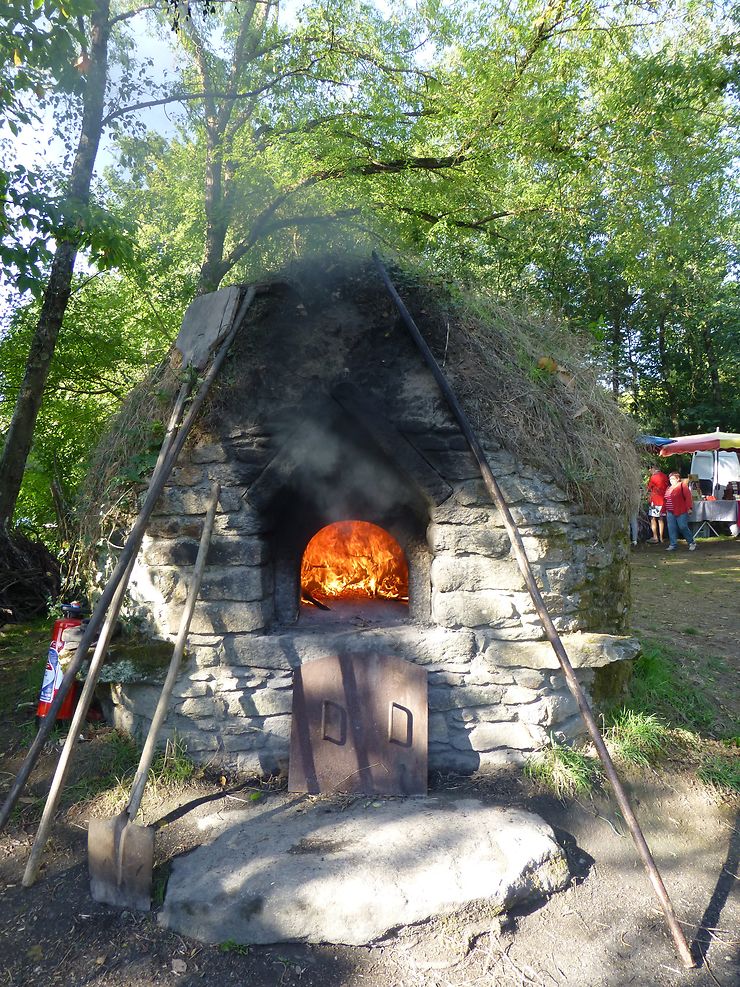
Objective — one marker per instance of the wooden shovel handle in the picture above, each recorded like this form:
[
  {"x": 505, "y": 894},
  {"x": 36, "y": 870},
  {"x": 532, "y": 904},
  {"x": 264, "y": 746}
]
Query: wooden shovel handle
[
  {"x": 147, "y": 755},
  {"x": 125, "y": 559}
]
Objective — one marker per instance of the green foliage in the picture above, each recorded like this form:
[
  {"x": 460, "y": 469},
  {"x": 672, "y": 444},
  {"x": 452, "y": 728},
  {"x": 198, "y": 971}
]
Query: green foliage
[
  {"x": 635, "y": 737},
  {"x": 113, "y": 334},
  {"x": 722, "y": 773},
  {"x": 23, "y": 651},
  {"x": 566, "y": 771},
  {"x": 172, "y": 767},
  {"x": 660, "y": 687},
  {"x": 231, "y": 946},
  {"x": 577, "y": 155}
]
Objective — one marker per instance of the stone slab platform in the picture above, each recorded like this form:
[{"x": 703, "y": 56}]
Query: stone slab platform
[{"x": 337, "y": 871}]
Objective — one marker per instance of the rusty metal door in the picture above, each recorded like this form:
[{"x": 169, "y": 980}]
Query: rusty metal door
[{"x": 359, "y": 726}]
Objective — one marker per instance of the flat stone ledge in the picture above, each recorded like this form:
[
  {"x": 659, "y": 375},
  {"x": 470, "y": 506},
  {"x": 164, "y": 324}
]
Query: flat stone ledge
[{"x": 286, "y": 871}]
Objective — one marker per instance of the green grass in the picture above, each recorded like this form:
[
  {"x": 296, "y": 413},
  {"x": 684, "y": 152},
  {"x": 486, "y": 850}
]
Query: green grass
[
  {"x": 23, "y": 651},
  {"x": 635, "y": 737},
  {"x": 231, "y": 946},
  {"x": 660, "y": 686},
  {"x": 721, "y": 772},
  {"x": 172, "y": 767},
  {"x": 566, "y": 771},
  {"x": 671, "y": 711}
]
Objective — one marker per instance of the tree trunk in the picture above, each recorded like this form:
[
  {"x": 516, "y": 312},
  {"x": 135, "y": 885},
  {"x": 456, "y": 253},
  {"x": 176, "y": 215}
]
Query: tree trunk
[
  {"x": 59, "y": 286},
  {"x": 711, "y": 356},
  {"x": 665, "y": 371}
]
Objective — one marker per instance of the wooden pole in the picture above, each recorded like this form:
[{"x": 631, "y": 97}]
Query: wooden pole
[
  {"x": 96, "y": 663},
  {"x": 129, "y": 552},
  {"x": 553, "y": 637},
  {"x": 147, "y": 754}
]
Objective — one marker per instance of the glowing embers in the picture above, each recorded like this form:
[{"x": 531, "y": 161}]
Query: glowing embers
[{"x": 353, "y": 560}]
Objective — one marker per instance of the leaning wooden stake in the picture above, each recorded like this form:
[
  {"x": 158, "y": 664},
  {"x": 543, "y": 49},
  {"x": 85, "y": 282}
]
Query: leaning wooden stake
[
  {"x": 96, "y": 663},
  {"x": 120, "y": 853},
  {"x": 550, "y": 630},
  {"x": 129, "y": 552}
]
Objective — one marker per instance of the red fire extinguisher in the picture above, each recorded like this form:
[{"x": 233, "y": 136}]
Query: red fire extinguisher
[{"x": 72, "y": 617}]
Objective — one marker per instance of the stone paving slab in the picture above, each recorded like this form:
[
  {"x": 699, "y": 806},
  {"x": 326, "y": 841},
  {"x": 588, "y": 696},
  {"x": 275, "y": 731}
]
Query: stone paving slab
[{"x": 322, "y": 870}]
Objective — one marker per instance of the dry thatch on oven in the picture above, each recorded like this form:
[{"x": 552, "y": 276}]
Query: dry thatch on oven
[
  {"x": 526, "y": 379},
  {"x": 533, "y": 384}
]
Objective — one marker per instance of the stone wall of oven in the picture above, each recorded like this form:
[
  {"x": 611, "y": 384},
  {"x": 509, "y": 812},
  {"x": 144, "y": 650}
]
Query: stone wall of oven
[{"x": 495, "y": 689}]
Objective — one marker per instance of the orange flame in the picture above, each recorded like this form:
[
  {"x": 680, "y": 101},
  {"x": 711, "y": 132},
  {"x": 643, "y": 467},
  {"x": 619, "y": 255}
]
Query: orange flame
[{"x": 354, "y": 560}]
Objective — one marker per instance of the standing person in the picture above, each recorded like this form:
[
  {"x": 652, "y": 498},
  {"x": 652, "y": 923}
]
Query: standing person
[
  {"x": 678, "y": 503},
  {"x": 656, "y": 486}
]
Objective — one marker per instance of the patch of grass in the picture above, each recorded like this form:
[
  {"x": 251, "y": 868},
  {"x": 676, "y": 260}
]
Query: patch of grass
[
  {"x": 170, "y": 770},
  {"x": 661, "y": 687},
  {"x": 635, "y": 737},
  {"x": 690, "y": 630},
  {"x": 117, "y": 755},
  {"x": 231, "y": 946},
  {"x": 567, "y": 772},
  {"x": 160, "y": 877},
  {"x": 172, "y": 767},
  {"x": 721, "y": 772},
  {"x": 23, "y": 651}
]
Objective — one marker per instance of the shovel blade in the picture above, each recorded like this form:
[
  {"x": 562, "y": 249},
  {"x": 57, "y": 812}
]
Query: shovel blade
[{"x": 120, "y": 858}]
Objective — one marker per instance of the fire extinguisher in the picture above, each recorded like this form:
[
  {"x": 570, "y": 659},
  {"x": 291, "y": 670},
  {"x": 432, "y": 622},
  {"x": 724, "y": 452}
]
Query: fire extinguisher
[{"x": 61, "y": 640}]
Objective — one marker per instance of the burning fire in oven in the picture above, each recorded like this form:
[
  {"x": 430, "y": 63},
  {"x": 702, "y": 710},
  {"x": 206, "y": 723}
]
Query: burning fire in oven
[{"x": 353, "y": 560}]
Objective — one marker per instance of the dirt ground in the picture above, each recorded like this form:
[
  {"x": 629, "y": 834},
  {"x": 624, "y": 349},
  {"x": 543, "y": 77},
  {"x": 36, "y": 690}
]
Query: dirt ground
[{"x": 604, "y": 931}]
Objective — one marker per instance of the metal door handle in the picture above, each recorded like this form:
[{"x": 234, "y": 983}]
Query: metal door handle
[
  {"x": 403, "y": 736},
  {"x": 333, "y": 711}
]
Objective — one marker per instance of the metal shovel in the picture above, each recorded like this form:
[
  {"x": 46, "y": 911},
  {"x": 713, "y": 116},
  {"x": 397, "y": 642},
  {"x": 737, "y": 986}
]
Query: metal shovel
[{"x": 120, "y": 853}]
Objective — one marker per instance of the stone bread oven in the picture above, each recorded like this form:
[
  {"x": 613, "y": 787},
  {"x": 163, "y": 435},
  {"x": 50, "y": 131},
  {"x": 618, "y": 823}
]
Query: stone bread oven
[{"x": 325, "y": 415}]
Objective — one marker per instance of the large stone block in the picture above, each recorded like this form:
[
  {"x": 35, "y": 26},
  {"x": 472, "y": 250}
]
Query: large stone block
[
  {"x": 224, "y": 617},
  {"x": 562, "y": 579},
  {"x": 539, "y": 548},
  {"x": 483, "y": 672},
  {"x": 529, "y": 515},
  {"x": 241, "y": 583},
  {"x": 446, "y": 698},
  {"x": 223, "y": 551},
  {"x": 172, "y": 583},
  {"x": 451, "y": 512},
  {"x": 270, "y": 702},
  {"x": 186, "y": 476},
  {"x": 257, "y": 652},
  {"x": 549, "y": 710},
  {"x": 474, "y": 540},
  {"x": 491, "y": 736},
  {"x": 584, "y": 651},
  {"x": 452, "y": 464},
  {"x": 201, "y": 707},
  {"x": 480, "y": 609},
  {"x": 474, "y": 572},
  {"x": 438, "y": 729},
  {"x": 188, "y": 501},
  {"x": 211, "y": 452}
]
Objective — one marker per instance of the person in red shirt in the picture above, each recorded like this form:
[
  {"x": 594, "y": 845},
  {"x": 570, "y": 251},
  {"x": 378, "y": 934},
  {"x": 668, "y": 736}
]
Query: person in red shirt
[
  {"x": 678, "y": 502},
  {"x": 656, "y": 486}
]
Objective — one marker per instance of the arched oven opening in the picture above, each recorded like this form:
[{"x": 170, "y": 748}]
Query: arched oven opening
[{"x": 348, "y": 566}]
